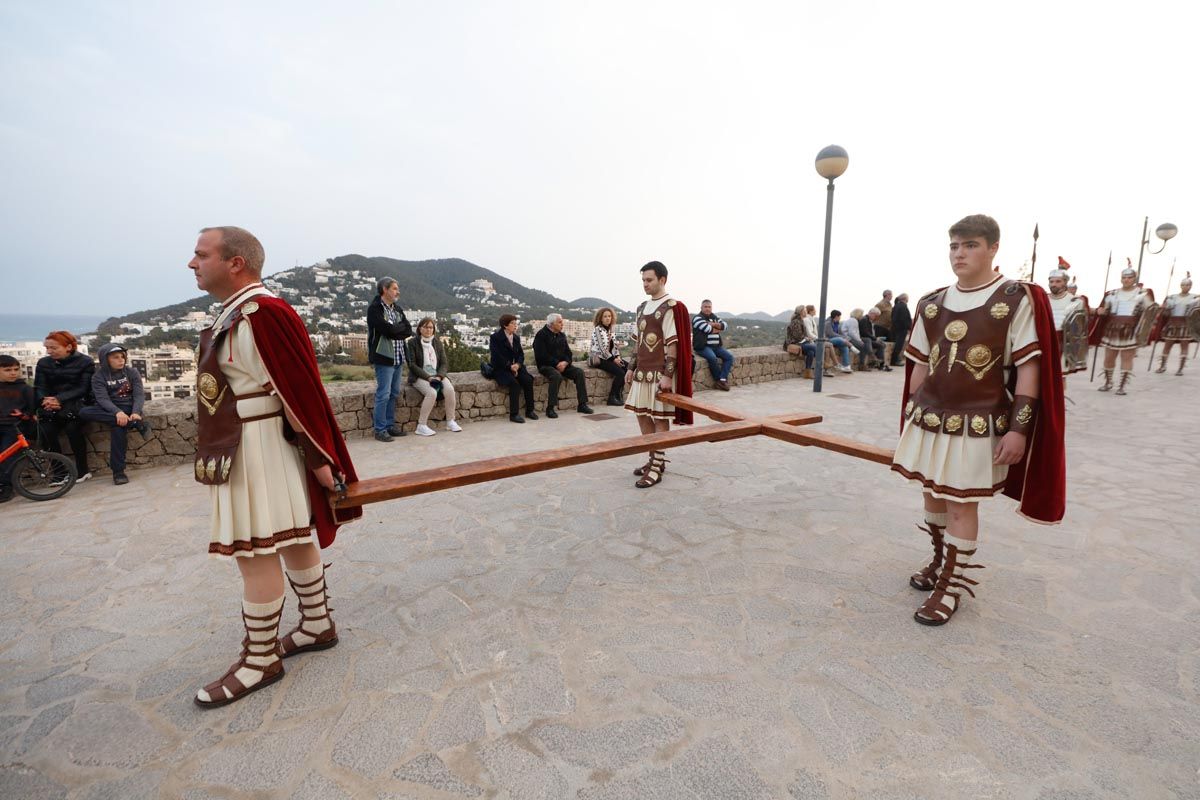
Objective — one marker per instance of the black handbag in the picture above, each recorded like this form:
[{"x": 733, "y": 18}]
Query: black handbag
[{"x": 486, "y": 370}]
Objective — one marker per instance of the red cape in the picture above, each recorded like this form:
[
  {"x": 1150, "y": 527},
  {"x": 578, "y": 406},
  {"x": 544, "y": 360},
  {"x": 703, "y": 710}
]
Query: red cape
[
  {"x": 1039, "y": 480},
  {"x": 683, "y": 359},
  {"x": 287, "y": 352}
]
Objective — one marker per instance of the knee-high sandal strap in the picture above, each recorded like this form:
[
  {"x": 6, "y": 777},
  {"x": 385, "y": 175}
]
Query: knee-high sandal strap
[
  {"x": 322, "y": 640},
  {"x": 926, "y": 578},
  {"x": 935, "y": 610},
  {"x": 229, "y": 687},
  {"x": 652, "y": 475}
]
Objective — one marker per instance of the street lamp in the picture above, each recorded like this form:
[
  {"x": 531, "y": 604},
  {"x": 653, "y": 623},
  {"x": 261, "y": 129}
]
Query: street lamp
[
  {"x": 1166, "y": 232},
  {"x": 831, "y": 163}
]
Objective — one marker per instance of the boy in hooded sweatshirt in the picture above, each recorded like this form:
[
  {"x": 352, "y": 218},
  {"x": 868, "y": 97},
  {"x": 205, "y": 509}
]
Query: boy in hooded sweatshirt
[
  {"x": 119, "y": 400},
  {"x": 16, "y": 406}
]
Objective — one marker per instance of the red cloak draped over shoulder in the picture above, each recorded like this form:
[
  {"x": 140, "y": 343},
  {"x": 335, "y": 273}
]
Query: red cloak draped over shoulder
[
  {"x": 683, "y": 359},
  {"x": 287, "y": 353},
  {"x": 1039, "y": 480}
]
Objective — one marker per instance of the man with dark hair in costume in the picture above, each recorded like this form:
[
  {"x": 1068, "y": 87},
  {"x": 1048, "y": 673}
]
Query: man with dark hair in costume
[
  {"x": 662, "y": 361},
  {"x": 1115, "y": 328},
  {"x": 268, "y": 447},
  {"x": 1174, "y": 324},
  {"x": 982, "y": 410},
  {"x": 1065, "y": 304}
]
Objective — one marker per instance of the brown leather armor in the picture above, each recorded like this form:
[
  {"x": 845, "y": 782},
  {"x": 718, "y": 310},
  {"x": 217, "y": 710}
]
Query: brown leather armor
[
  {"x": 651, "y": 348},
  {"x": 219, "y": 427},
  {"x": 965, "y": 389}
]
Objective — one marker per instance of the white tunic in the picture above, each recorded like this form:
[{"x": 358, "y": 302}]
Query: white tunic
[
  {"x": 1123, "y": 303},
  {"x": 642, "y": 399},
  {"x": 264, "y": 505},
  {"x": 1063, "y": 305},
  {"x": 960, "y": 468}
]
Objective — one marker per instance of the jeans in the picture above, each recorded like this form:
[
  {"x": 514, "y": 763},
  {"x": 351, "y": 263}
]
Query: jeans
[
  {"x": 387, "y": 389},
  {"x": 840, "y": 344},
  {"x": 720, "y": 361},
  {"x": 118, "y": 436},
  {"x": 555, "y": 379},
  {"x": 810, "y": 353}
]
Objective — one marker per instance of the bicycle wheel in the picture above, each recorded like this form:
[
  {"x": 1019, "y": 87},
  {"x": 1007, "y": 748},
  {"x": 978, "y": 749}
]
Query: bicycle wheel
[{"x": 42, "y": 475}]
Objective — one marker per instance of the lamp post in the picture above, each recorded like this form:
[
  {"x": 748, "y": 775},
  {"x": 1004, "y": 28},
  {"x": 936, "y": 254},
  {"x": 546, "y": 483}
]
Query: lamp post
[
  {"x": 1166, "y": 232},
  {"x": 831, "y": 163}
]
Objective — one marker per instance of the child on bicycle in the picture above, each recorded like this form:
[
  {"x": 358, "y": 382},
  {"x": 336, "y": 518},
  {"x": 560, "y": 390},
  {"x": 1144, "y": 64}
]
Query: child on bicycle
[
  {"x": 16, "y": 407},
  {"x": 119, "y": 396}
]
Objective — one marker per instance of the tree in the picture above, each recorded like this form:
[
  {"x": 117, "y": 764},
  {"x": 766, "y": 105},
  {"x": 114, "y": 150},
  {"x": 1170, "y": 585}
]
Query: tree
[{"x": 459, "y": 357}]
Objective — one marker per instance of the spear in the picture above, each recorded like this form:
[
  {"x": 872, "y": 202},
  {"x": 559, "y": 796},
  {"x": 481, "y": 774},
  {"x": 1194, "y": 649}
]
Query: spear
[
  {"x": 1033, "y": 261},
  {"x": 1096, "y": 352},
  {"x": 1154, "y": 346}
]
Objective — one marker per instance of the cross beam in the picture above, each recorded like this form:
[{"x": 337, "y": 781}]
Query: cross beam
[{"x": 785, "y": 427}]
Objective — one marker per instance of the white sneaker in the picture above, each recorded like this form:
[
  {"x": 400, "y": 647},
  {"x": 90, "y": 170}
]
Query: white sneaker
[
  {"x": 87, "y": 476},
  {"x": 844, "y": 368},
  {"x": 453, "y": 427},
  {"x": 425, "y": 430}
]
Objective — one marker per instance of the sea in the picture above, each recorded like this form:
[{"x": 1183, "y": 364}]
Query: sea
[{"x": 34, "y": 327}]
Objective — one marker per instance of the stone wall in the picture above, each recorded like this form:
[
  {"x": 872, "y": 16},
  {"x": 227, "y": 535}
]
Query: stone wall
[{"x": 172, "y": 440}]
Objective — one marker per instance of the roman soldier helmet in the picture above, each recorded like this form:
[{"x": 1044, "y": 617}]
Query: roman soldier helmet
[
  {"x": 1187, "y": 280},
  {"x": 1061, "y": 271},
  {"x": 1129, "y": 270}
]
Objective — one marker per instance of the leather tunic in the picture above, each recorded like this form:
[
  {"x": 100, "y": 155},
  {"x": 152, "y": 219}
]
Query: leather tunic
[
  {"x": 651, "y": 347},
  {"x": 965, "y": 389}
]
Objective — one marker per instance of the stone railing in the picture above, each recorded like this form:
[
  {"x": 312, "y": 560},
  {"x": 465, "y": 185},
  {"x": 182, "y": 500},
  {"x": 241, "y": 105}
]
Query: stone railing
[{"x": 173, "y": 439}]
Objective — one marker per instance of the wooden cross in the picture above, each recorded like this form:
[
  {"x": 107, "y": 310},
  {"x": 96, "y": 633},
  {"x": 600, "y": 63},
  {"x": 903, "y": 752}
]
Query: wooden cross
[{"x": 785, "y": 427}]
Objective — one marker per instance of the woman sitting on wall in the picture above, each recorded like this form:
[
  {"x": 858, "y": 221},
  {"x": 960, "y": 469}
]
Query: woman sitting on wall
[
  {"x": 426, "y": 358},
  {"x": 508, "y": 367},
  {"x": 606, "y": 355},
  {"x": 62, "y": 386}
]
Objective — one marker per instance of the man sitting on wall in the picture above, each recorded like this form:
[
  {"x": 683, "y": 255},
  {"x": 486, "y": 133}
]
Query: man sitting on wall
[{"x": 552, "y": 353}]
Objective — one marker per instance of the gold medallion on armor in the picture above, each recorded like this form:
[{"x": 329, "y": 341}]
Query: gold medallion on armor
[
  {"x": 935, "y": 355},
  {"x": 210, "y": 469},
  {"x": 1000, "y": 310},
  {"x": 640, "y": 375},
  {"x": 979, "y": 355},
  {"x": 641, "y": 324},
  {"x": 908, "y": 409},
  {"x": 1002, "y": 423},
  {"x": 954, "y": 423},
  {"x": 226, "y": 465},
  {"x": 1025, "y": 414},
  {"x": 931, "y": 311},
  {"x": 249, "y": 308},
  {"x": 658, "y": 314},
  {"x": 956, "y": 330},
  {"x": 932, "y": 420},
  {"x": 651, "y": 341},
  {"x": 199, "y": 469},
  {"x": 918, "y": 412},
  {"x": 979, "y": 424},
  {"x": 207, "y": 386}
]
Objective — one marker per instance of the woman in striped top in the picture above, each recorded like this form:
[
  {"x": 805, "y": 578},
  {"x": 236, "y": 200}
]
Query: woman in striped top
[{"x": 606, "y": 354}]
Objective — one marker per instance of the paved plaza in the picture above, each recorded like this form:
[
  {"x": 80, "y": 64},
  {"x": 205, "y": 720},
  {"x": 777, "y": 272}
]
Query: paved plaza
[{"x": 743, "y": 630}]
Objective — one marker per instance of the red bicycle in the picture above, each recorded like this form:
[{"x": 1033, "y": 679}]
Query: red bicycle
[{"x": 38, "y": 474}]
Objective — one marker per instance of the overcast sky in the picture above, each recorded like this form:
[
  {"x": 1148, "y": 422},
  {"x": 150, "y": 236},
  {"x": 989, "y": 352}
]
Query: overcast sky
[{"x": 563, "y": 144}]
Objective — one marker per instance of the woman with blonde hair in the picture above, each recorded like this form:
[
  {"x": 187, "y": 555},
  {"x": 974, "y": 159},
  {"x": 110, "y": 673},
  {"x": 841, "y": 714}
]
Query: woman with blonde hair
[{"x": 605, "y": 354}]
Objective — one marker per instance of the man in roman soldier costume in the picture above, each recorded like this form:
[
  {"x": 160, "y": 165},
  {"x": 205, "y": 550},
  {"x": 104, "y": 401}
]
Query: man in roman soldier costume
[
  {"x": 1179, "y": 320},
  {"x": 662, "y": 361},
  {"x": 982, "y": 410},
  {"x": 1070, "y": 319},
  {"x": 1122, "y": 326},
  {"x": 269, "y": 448}
]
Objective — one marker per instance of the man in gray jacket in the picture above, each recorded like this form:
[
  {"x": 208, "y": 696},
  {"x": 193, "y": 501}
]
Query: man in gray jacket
[{"x": 119, "y": 396}]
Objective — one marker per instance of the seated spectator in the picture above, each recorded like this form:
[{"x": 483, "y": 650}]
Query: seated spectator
[
  {"x": 883, "y": 326},
  {"x": 850, "y": 331},
  {"x": 828, "y": 359},
  {"x": 552, "y": 354},
  {"x": 795, "y": 338},
  {"x": 62, "y": 385},
  {"x": 426, "y": 358},
  {"x": 866, "y": 328},
  {"x": 16, "y": 408},
  {"x": 508, "y": 367},
  {"x": 833, "y": 333},
  {"x": 606, "y": 355},
  {"x": 707, "y": 328},
  {"x": 118, "y": 396}
]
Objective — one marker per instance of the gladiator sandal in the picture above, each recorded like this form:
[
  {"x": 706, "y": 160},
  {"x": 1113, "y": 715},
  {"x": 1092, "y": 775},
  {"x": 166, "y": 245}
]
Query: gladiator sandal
[
  {"x": 316, "y": 630},
  {"x": 1108, "y": 373},
  {"x": 640, "y": 471},
  {"x": 652, "y": 475},
  {"x": 1182, "y": 361},
  {"x": 926, "y": 579},
  {"x": 936, "y": 610},
  {"x": 1126, "y": 378},
  {"x": 1162, "y": 365},
  {"x": 259, "y": 665}
]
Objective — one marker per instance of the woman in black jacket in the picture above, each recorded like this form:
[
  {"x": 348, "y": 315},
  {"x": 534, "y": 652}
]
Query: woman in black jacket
[
  {"x": 62, "y": 384},
  {"x": 508, "y": 367},
  {"x": 387, "y": 328}
]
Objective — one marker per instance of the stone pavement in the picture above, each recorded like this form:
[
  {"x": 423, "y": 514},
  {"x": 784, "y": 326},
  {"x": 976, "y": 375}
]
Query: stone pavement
[{"x": 742, "y": 631}]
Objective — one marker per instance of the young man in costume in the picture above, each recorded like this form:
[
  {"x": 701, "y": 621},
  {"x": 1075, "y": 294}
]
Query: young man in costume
[
  {"x": 1174, "y": 321},
  {"x": 1116, "y": 326},
  {"x": 269, "y": 448},
  {"x": 982, "y": 410},
  {"x": 1064, "y": 303},
  {"x": 662, "y": 361}
]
